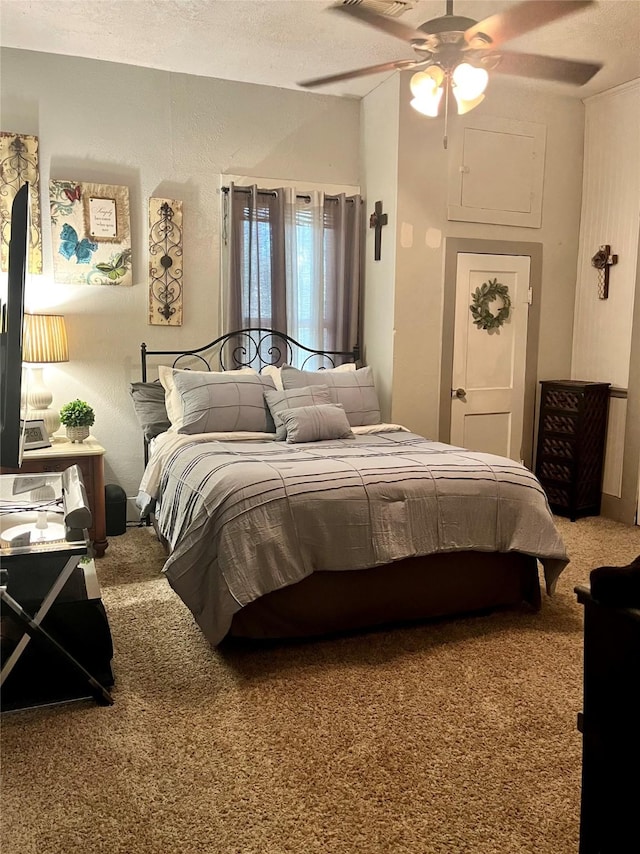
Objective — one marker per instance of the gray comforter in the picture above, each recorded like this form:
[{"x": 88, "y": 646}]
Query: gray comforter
[{"x": 243, "y": 519}]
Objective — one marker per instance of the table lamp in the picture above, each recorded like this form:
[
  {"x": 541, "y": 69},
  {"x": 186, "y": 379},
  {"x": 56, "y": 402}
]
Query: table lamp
[{"x": 44, "y": 341}]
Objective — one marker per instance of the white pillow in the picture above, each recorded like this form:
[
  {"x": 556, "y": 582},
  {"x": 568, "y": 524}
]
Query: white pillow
[
  {"x": 276, "y": 373},
  {"x": 172, "y": 398}
]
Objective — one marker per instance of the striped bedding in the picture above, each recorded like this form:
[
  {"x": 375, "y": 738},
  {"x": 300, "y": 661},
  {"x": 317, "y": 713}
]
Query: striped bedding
[{"x": 245, "y": 518}]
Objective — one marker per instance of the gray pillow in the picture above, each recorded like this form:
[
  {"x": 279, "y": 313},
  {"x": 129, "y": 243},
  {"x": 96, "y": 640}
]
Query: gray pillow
[
  {"x": 220, "y": 403},
  {"x": 279, "y": 400},
  {"x": 148, "y": 402},
  {"x": 315, "y": 423},
  {"x": 353, "y": 389}
]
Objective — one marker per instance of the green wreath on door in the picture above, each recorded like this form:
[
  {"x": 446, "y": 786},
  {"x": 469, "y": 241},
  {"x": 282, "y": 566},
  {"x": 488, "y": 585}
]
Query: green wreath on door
[{"x": 482, "y": 299}]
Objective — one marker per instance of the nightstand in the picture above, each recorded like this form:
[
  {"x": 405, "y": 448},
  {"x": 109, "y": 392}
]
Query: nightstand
[{"x": 89, "y": 457}]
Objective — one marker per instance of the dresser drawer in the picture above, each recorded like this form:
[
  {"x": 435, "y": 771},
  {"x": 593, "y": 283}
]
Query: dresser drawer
[
  {"x": 555, "y": 422},
  {"x": 557, "y": 447},
  {"x": 551, "y": 470},
  {"x": 564, "y": 399}
]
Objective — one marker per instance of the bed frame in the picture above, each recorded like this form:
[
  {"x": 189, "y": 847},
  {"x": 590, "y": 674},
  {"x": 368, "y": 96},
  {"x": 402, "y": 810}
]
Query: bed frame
[
  {"x": 252, "y": 347},
  {"x": 440, "y": 585}
]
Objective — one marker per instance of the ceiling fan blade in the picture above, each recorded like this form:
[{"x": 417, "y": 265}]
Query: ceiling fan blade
[
  {"x": 547, "y": 67},
  {"x": 398, "y": 64},
  {"x": 518, "y": 20},
  {"x": 381, "y": 22}
]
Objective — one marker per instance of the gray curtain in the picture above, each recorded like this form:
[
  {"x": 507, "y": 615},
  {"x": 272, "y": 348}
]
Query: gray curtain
[
  {"x": 343, "y": 273},
  {"x": 255, "y": 289}
]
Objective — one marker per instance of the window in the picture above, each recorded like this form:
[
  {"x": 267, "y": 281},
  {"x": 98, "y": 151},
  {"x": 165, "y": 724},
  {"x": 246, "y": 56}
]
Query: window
[{"x": 294, "y": 264}]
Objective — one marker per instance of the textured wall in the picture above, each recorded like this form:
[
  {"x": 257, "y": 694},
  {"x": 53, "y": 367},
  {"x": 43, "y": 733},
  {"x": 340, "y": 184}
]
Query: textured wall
[
  {"x": 380, "y": 170},
  {"x": 161, "y": 134},
  {"x": 610, "y": 214},
  {"x": 603, "y": 329}
]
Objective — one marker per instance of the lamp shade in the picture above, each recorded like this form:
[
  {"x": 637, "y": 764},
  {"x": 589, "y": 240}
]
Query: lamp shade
[
  {"x": 469, "y": 82},
  {"x": 44, "y": 339},
  {"x": 426, "y": 87}
]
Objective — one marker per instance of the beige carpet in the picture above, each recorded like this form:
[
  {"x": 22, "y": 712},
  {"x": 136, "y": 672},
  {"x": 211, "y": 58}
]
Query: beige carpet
[{"x": 449, "y": 737}]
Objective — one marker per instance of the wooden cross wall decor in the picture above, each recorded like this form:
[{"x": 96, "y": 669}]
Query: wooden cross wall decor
[
  {"x": 603, "y": 260},
  {"x": 377, "y": 220}
]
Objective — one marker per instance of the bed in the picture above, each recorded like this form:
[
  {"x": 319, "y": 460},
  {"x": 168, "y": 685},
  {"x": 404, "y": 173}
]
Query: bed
[{"x": 288, "y": 509}]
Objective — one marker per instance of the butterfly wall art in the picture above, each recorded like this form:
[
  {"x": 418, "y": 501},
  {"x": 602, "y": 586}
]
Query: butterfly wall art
[
  {"x": 70, "y": 246},
  {"x": 90, "y": 233}
]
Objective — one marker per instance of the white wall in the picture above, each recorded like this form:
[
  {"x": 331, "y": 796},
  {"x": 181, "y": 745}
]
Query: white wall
[
  {"x": 603, "y": 329},
  {"x": 160, "y": 134},
  {"x": 379, "y": 145},
  {"x": 610, "y": 214}
]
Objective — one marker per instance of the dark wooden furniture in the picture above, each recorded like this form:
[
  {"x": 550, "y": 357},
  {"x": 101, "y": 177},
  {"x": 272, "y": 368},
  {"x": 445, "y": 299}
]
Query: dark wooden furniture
[
  {"x": 424, "y": 588},
  {"x": 89, "y": 457},
  {"x": 571, "y": 442},
  {"x": 609, "y": 723}
]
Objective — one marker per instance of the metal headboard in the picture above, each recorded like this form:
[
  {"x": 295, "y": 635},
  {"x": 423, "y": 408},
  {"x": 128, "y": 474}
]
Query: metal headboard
[{"x": 253, "y": 347}]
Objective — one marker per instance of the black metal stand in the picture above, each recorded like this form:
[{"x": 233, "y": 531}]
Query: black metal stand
[{"x": 34, "y": 630}]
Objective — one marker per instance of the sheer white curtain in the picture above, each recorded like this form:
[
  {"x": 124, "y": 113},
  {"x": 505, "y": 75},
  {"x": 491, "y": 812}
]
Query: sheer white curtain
[{"x": 305, "y": 265}]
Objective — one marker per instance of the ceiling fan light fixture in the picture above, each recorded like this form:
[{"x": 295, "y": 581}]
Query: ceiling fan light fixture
[
  {"x": 458, "y": 52},
  {"x": 428, "y": 105},
  {"x": 464, "y": 105},
  {"x": 468, "y": 81},
  {"x": 424, "y": 84}
]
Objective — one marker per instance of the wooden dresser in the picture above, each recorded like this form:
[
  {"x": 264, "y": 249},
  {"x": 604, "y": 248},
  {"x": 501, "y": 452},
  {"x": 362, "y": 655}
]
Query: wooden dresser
[
  {"x": 89, "y": 457},
  {"x": 571, "y": 441}
]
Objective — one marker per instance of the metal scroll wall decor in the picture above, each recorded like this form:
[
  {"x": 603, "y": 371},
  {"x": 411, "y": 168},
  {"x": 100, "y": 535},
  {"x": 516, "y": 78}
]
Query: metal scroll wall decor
[
  {"x": 19, "y": 164},
  {"x": 165, "y": 262},
  {"x": 90, "y": 233}
]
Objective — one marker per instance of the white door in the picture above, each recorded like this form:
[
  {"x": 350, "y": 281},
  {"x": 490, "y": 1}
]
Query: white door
[{"x": 488, "y": 383}]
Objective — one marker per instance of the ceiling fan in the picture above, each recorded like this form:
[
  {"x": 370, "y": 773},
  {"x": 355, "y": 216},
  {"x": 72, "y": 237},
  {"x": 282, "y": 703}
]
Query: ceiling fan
[{"x": 456, "y": 53}]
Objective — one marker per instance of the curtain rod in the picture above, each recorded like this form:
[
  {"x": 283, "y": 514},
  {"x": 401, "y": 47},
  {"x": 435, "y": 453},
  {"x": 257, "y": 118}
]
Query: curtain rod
[{"x": 243, "y": 189}]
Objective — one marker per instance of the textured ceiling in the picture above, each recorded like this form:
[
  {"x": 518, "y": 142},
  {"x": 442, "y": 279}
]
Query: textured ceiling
[{"x": 279, "y": 42}]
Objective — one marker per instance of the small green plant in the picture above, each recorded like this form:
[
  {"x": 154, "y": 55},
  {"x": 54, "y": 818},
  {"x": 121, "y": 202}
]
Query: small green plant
[{"x": 77, "y": 414}]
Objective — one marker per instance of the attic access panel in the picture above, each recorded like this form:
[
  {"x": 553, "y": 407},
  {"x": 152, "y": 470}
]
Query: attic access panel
[{"x": 499, "y": 172}]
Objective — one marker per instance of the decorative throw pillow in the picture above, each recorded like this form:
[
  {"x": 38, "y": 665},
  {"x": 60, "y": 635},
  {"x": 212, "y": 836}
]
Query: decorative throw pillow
[
  {"x": 229, "y": 401},
  {"x": 315, "y": 423},
  {"x": 150, "y": 409},
  {"x": 355, "y": 390},
  {"x": 276, "y": 373},
  {"x": 279, "y": 400},
  {"x": 172, "y": 398}
]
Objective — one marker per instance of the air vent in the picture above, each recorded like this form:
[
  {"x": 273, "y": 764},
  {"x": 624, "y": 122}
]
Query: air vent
[{"x": 390, "y": 8}]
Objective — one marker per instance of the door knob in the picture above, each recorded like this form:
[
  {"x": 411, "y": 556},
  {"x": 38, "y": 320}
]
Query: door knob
[{"x": 460, "y": 393}]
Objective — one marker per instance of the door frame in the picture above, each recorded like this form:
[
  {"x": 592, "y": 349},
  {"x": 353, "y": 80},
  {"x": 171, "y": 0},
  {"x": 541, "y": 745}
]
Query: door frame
[{"x": 464, "y": 245}]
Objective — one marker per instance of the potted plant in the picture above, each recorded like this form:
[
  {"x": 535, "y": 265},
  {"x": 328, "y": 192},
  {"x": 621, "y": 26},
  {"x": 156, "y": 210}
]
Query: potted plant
[{"x": 77, "y": 416}]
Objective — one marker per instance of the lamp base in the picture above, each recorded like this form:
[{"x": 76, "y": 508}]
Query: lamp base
[
  {"x": 49, "y": 416},
  {"x": 38, "y": 400}
]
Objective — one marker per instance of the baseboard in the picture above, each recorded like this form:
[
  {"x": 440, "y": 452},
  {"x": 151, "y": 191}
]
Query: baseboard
[{"x": 618, "y": 509}]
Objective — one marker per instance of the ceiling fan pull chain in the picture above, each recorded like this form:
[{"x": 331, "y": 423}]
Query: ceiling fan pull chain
[{"x": 445, "y": 139}]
